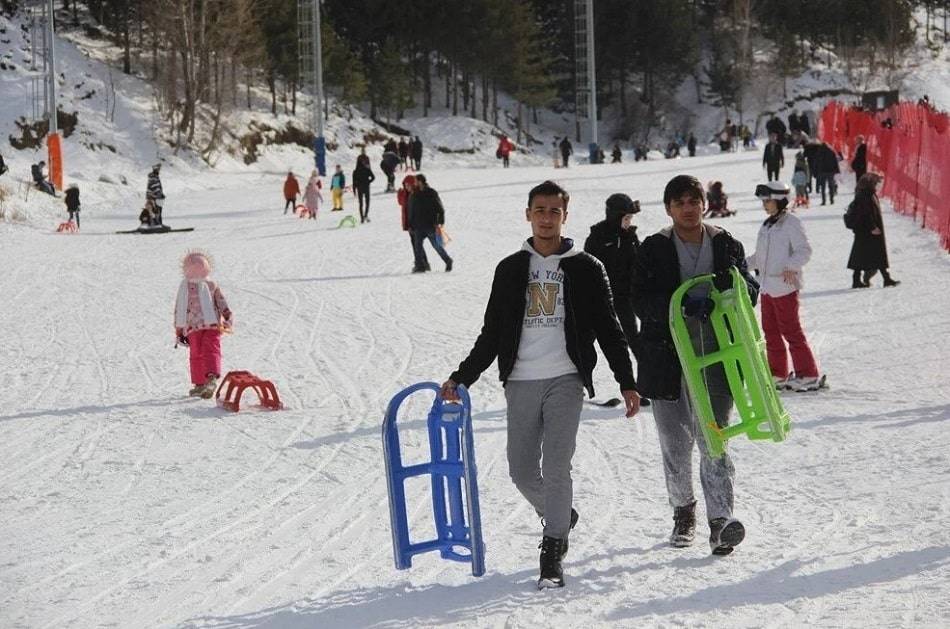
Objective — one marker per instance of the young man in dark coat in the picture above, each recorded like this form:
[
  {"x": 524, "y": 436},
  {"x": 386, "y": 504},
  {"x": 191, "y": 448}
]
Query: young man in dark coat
[
  {"x": 416, "y": 153},
  {"x": 548, "y": 304},
  {"x": 567, "y": 149},
  {"x": 614, "y": 242},
  {"x": 691, "y": 145},
  {"x": 426, "y": 215},
  {"x": 362, "y": 177},
  {"x": 826, "y": 167},
  {"x": 869, "y": 250},
  {"x": 677, "y": 253},
  {"x": 860, "y": 162},
  {"x": 772, "y": 158}
]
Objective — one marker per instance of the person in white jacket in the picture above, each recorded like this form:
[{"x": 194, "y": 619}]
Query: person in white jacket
[{"x": 781, "y": 251}]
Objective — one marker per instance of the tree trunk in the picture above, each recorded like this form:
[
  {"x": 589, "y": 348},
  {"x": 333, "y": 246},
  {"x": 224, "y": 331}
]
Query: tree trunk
[
  {"x": 448, "y": 87},
  {"x": 465, "y": 90},
  {"x": 247, "y": 86},
  {"x": 293, "y": 96},
  {"x": 126, "y": 39},
  {"x": 474, "y": 100},
  {"x": 426, "y": 85},
  {"x": 455, "y": 92},
  {"x": 272, "y": 86},
  {"x": 519, "y": 122},
  {"x": 623, "y": 89},
  {"x": 494, "y": 103},
  {"x": 484, "y": 98}
]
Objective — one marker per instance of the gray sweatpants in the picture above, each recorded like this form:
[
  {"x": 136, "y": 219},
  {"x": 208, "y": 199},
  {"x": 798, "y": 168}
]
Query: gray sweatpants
[
  {"x": 543, "y": 416},
  {"x": 678, "y": 430}
]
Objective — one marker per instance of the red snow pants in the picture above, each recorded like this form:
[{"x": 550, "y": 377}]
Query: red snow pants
[
  {"x": 205, "y": 356},
  {"x": 781, "y": 325}
]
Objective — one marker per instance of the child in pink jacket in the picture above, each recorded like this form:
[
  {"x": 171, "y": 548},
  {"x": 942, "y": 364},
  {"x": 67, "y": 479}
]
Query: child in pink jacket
[{"x": 201, "y": 314}]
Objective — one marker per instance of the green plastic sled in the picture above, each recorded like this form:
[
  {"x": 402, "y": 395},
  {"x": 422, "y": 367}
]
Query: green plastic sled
[
  {"x": 742, "y": 354},
  {"x": 347, "y": 221}
]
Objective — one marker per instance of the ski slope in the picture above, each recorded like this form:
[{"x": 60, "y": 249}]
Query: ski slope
[{"x": 125, "y": 503}]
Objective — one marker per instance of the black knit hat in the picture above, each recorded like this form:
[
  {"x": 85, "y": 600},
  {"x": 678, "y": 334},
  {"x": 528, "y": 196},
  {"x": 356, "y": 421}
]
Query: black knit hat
[{"x": 619, "y": 205}]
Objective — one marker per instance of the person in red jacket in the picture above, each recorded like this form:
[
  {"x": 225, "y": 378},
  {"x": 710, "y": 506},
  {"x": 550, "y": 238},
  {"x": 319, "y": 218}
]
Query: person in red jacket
[
  {"x": 505, "y": 147},
  {"x": 402, "y": 197},
  {"x": 291, "y": 190}
]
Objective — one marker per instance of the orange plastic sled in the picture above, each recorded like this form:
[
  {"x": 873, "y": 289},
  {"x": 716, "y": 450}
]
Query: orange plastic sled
[{"x": 236, "y": 382}]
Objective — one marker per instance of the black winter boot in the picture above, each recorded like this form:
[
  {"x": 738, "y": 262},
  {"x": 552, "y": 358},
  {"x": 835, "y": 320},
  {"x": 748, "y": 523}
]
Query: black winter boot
[
  {"x": 888, "y": 280},
  {"x": 724, "y": 535},
  {"x": 857, "y": 282},
  {"x": 684, "y": 527},
  {"x": 552, "y": 576}
]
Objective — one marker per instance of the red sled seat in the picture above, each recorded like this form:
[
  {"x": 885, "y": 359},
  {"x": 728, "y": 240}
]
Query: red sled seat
[{"x": 236, "y": 382}]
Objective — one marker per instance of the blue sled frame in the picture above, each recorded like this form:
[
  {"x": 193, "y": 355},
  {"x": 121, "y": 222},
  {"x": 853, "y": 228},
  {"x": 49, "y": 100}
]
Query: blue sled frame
[{"x": 458, "y": 523}]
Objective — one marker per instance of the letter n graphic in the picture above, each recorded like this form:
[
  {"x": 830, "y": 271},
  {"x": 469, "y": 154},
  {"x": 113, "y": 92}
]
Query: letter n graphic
[{"x": 542, "y": 298}]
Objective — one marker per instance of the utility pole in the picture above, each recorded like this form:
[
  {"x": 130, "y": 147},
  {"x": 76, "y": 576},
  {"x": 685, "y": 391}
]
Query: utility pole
[
  {"x": 585, "y": 84},
  {"x": 591, "y": 75},
  {"x": 53, "y": 143},
  {"x": 320, "y": 144}
]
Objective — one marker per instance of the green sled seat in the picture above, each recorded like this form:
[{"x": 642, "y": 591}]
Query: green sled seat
[{"x": 742, "y": 354}]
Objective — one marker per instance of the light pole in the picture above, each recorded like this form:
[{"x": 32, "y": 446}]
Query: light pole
[
  {"x": 319, "y": 144},
  {"x": 53, "y": 145}
]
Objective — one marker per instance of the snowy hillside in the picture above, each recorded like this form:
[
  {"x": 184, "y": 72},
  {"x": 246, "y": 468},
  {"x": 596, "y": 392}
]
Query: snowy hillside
[{"x": 125, "y": 503}]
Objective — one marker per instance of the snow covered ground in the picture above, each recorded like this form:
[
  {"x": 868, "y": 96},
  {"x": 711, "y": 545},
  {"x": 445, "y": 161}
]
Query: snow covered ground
[{"x": 124, "y": 503}]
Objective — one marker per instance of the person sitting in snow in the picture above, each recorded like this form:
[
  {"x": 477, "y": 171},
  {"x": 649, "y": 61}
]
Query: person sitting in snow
[
  {"x": 39, "y": 179},
  {"x": 717, "y": 201},
  {"x": 201, "y": 314}
]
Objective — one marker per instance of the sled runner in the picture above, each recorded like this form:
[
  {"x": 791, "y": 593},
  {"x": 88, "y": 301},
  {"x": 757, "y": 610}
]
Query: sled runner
[{"x": 742, "y": 354}]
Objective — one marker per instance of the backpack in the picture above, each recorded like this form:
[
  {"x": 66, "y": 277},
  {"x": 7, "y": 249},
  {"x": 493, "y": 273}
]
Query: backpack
[{"x": 848, "y": 217}]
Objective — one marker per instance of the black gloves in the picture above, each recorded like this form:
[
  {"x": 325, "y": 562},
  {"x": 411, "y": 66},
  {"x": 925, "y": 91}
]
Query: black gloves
[
  {"x": 698, "y": 308},
  {"x": 722, "y": 280},
  {"x": 183, "y": 340}
]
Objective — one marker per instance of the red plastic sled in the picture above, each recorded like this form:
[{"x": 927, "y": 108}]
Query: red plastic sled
[
  {"x": 67, "y": 227},
  {"x": 234, "y": 384}
]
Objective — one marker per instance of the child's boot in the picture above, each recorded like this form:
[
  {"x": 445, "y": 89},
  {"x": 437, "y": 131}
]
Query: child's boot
[
  {"x": 196, "y": 390},
  {"x": 212, "y": 384}
]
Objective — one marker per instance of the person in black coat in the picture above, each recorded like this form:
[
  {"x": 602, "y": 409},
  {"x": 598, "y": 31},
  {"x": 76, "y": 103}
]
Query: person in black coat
[
  {"x": 776, "y": 126},
  {"x": 362, "y": 177},
  {"x": 772, "y": 158},
  {"x": 416, "y": 153},
  {"x": 826, "y": 167},
  {"x": 3, "y": 166},
  {"x": 72, "y": 203},
  {"x": 677, "y": 253},
  {"x": 567, "y": 149},
  {"x": 869, "y": 250},
  {"x": 426, "y": 215},
  {"x": 614, "y": 242},
  {"x": 691, "y": 145},
  {"x": 860, "y": 162},
  {"x": 388, "y": 165}
]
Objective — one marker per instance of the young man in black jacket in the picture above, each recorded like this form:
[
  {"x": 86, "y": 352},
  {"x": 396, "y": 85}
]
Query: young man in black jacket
[
  {"x": 772, "y": 158},
  {"x": 677, "y": 253},
  {"x": 426, "y": 215},
  {"x": 548, "y": 303}
]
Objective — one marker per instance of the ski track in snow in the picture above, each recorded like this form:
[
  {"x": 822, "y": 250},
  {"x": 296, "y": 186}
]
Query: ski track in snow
[{"x": 125, "y": 503}]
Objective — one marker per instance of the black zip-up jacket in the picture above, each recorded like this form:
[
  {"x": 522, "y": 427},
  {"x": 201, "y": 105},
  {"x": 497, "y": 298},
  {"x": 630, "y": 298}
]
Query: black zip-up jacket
[
  {"x": 656, "y": 278},
  {"x": 362, "y": 176},
  {"x": 425, "y": 210},
  {"x": 72, "y": 199},
  {"x": 616, "y": 249},
  {"x": 772, "y": 155},
  {"x": 589, "y": 311}
]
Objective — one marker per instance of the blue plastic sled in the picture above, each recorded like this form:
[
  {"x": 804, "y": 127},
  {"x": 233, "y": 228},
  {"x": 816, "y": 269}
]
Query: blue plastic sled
[{"x": 458, "y": 523}]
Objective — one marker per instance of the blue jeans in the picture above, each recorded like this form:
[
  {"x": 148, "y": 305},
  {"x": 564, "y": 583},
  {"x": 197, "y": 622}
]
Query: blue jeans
[{"x": 418, "y": 239}]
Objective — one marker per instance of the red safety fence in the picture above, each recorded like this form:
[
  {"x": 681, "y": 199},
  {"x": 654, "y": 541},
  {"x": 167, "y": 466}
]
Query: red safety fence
[{"x": 907, "y": 143}]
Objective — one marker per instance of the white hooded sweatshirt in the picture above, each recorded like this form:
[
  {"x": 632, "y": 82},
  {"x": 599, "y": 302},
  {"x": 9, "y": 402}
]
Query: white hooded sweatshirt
[{"x": 542, "y": 351}]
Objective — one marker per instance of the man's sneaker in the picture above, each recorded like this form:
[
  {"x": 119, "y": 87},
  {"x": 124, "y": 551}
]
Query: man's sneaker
[
  {"x": 684, "y": 526},
  {"x": 724, "y": 535},
  {"x": 552, "y": 549}
]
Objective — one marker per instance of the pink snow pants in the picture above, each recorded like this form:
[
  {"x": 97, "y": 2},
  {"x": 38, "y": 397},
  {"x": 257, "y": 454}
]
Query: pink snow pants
[
  {"x": 781, "y": 325},
  {"x": 205, "y": 347}
]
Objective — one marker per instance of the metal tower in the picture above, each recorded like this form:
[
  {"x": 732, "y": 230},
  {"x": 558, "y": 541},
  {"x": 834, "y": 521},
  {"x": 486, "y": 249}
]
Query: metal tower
[
  {"x": 585, "y": 86},
  {"x": 310, "y": 62}
]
